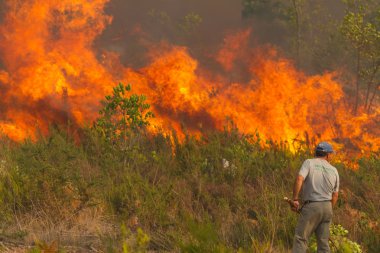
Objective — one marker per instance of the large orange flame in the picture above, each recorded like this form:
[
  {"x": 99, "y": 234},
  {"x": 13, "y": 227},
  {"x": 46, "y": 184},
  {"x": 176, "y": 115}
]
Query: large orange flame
[
  {"x": 52, "y": 73},
  {"x": 46, "y": 47}
]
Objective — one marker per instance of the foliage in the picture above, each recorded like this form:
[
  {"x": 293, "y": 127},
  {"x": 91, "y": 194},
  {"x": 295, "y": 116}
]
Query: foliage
[
  {"x": 360, "y": 33},
  {"x": 159, "y": 16},
  {"x": 264, "y": 8},
  {"x": 122, "y": 113},
  {"x": 184, "y": 27},
  {"x": 339, "y": 243},
  {"x": 190, "y": 23},
  {"x": 221, "y": 192},
  {"x": 134, "y": 242},
  {"x": 363, "y": 34},
  {"x": 204, "y": 238},
  {"x": 47, "y": 173}
]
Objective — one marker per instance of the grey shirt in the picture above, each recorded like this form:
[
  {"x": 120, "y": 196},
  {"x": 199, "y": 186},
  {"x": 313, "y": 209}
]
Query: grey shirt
[{"x": 321, "y": 180}]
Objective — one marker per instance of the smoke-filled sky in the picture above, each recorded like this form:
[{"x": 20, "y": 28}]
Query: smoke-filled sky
[{"x": 136, "y": 23}]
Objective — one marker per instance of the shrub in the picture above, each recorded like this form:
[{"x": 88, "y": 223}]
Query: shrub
[{"x": 339, "y": 243}]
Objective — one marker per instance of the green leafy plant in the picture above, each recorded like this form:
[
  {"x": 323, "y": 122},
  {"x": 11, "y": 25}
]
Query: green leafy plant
[
  {"x": 122, "y": 113},
  {"x": 339, "y": 243},
  {"x": 134, "y": 242},
  {"x": 204, "y": 238}
]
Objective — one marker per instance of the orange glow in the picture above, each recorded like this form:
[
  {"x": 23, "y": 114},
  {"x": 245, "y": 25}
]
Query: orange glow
[{"x": 53, "y": 73}]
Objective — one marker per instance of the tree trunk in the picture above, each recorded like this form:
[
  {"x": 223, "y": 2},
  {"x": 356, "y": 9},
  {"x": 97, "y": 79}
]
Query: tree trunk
[
  {"x": 369, "y": 84},
  {"x": 298, "y": 36},
  {"x": 372, "y": 98},
  {"x": 125, "y": 138},
  {"x": 357, "y": 81}
]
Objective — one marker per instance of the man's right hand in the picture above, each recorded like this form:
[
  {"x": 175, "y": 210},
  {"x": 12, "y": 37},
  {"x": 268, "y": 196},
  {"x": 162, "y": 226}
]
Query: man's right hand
[{"x": 295, "y": 205}]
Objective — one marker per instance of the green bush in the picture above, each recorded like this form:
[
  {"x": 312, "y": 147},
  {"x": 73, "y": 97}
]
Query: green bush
[{"x": 339, "y": 243}]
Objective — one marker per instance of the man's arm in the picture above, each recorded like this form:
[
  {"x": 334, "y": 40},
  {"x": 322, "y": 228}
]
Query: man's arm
[
  {"x": 296, "y": 190},
  {"x": 334, "y": 198},
  {"x": 297, "y": 186}
]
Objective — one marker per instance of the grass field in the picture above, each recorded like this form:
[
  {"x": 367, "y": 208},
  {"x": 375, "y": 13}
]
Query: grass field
[{"x": 219, "y": 193}]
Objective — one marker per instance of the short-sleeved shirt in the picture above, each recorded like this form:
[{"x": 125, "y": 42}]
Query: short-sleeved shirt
[{"x": 321, "y": 180}]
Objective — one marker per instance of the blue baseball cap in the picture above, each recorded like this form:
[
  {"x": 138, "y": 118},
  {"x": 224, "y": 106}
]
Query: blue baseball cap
[{"x": 324, "y": 147}]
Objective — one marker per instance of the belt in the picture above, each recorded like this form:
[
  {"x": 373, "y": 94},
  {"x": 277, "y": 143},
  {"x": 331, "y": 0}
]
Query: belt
[{"x": 311, "y": 201}]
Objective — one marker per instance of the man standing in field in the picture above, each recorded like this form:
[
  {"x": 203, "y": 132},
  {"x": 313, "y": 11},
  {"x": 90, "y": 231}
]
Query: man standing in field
[{"x": 319, "y": 181}]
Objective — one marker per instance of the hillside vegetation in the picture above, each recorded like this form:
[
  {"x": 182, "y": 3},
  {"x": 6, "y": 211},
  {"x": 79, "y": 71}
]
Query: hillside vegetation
[{"x": 129, "y": 190}]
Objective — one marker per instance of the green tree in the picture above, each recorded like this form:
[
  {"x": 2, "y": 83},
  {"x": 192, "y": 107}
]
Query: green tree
[
  {"x": 184, "y": 29},
  {"x": 291, "y": 15},
  {"x": 123, "y": 113},
  {"x": 268, "y": 9},
  {"x": 190, "y": 23},
  {"x": 363, "y": 36}
]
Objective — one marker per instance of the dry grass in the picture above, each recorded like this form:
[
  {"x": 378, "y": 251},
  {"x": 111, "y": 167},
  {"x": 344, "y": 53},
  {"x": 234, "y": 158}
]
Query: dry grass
[{"x": 83, "y": 230}]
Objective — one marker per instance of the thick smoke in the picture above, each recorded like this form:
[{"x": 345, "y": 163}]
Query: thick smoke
[{"x": 138, "y": 23}]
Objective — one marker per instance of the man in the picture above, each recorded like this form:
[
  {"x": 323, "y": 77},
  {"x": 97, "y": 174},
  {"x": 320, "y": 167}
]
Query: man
[{"x": 319, "y": 181}]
